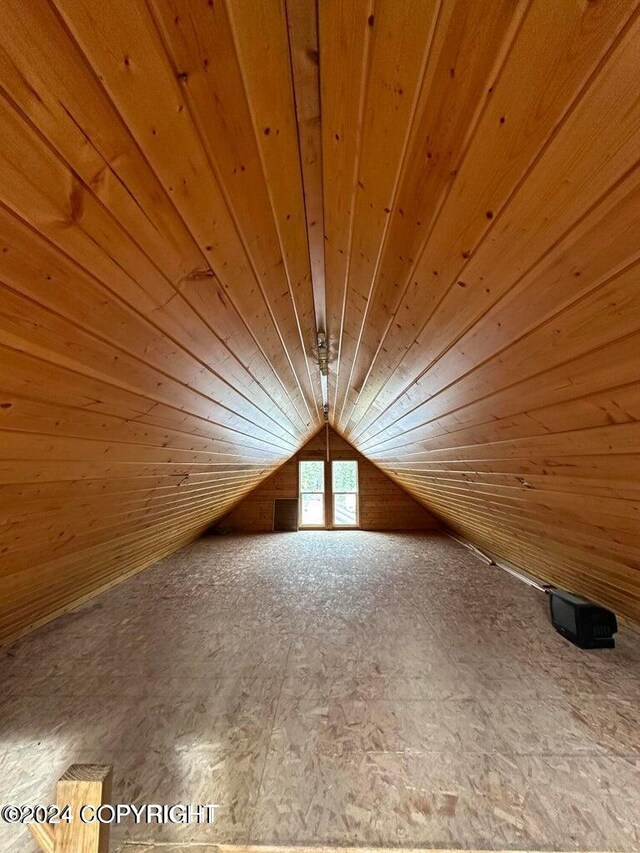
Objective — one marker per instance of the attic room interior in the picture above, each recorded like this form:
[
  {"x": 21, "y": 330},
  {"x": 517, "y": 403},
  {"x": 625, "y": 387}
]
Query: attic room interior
[{"x": 319, "y": 413}]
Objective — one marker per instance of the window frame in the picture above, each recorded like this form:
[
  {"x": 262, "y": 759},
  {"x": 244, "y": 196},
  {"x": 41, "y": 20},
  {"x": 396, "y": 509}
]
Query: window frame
[
  {"x": 334, "y": 492},
  {"x": 323, "y": 493}
]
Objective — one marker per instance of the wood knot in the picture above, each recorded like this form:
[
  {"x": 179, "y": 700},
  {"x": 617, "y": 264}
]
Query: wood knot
[
  {"x": 198, "y": 275},
  {"x": 76, "y": 202}
]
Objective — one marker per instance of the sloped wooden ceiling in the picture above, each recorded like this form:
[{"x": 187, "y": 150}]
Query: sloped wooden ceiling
[{"x": 191, "y": 189}]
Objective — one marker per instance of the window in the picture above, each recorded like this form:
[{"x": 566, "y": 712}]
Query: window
[
  {"x": 344, "y": 489},
  {"x": 344, "y": 483},
  {"x": 312, "y": 494}
]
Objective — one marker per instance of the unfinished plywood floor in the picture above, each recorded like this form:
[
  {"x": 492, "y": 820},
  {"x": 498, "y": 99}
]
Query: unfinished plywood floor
[{"x": 332, "y": 688}]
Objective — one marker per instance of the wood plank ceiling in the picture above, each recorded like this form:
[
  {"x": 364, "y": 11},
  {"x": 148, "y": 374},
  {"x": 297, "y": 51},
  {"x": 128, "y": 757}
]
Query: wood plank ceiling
[{"x": 191, "y": 189}]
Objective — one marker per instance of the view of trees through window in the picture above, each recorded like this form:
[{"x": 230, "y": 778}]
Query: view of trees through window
[
  {"x": 312, "y": 494},
  {"x": 344, "y": 487},
  {"x": 312, "y": 476},
  {"x": 344, "y": 484},
  {"x": 344, "y": 477}
]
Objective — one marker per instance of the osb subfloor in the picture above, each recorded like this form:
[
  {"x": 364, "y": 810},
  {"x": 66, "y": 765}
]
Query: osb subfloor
[{"x": 332, "y": 688}]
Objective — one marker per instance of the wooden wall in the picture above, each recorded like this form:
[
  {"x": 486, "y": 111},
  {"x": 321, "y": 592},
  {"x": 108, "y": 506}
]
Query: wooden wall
[
  {"x": 178, "y": 219},
  {"x": 383, "y": 504},
  {"x": 156, "y": 309},
  {"x": 483, "y": 268}
]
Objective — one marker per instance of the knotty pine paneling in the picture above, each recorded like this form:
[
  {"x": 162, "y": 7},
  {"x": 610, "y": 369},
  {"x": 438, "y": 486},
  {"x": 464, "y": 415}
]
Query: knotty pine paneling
[
  {"x": 383, "y": 504},
  {"x": 190, "y": 190},
  {"x": 156, "y": 311},
  {"x": 489, "y": 341}
]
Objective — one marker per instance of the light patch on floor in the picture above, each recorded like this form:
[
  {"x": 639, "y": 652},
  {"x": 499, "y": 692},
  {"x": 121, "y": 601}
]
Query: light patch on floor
[{"x": 331, "y": 688}]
